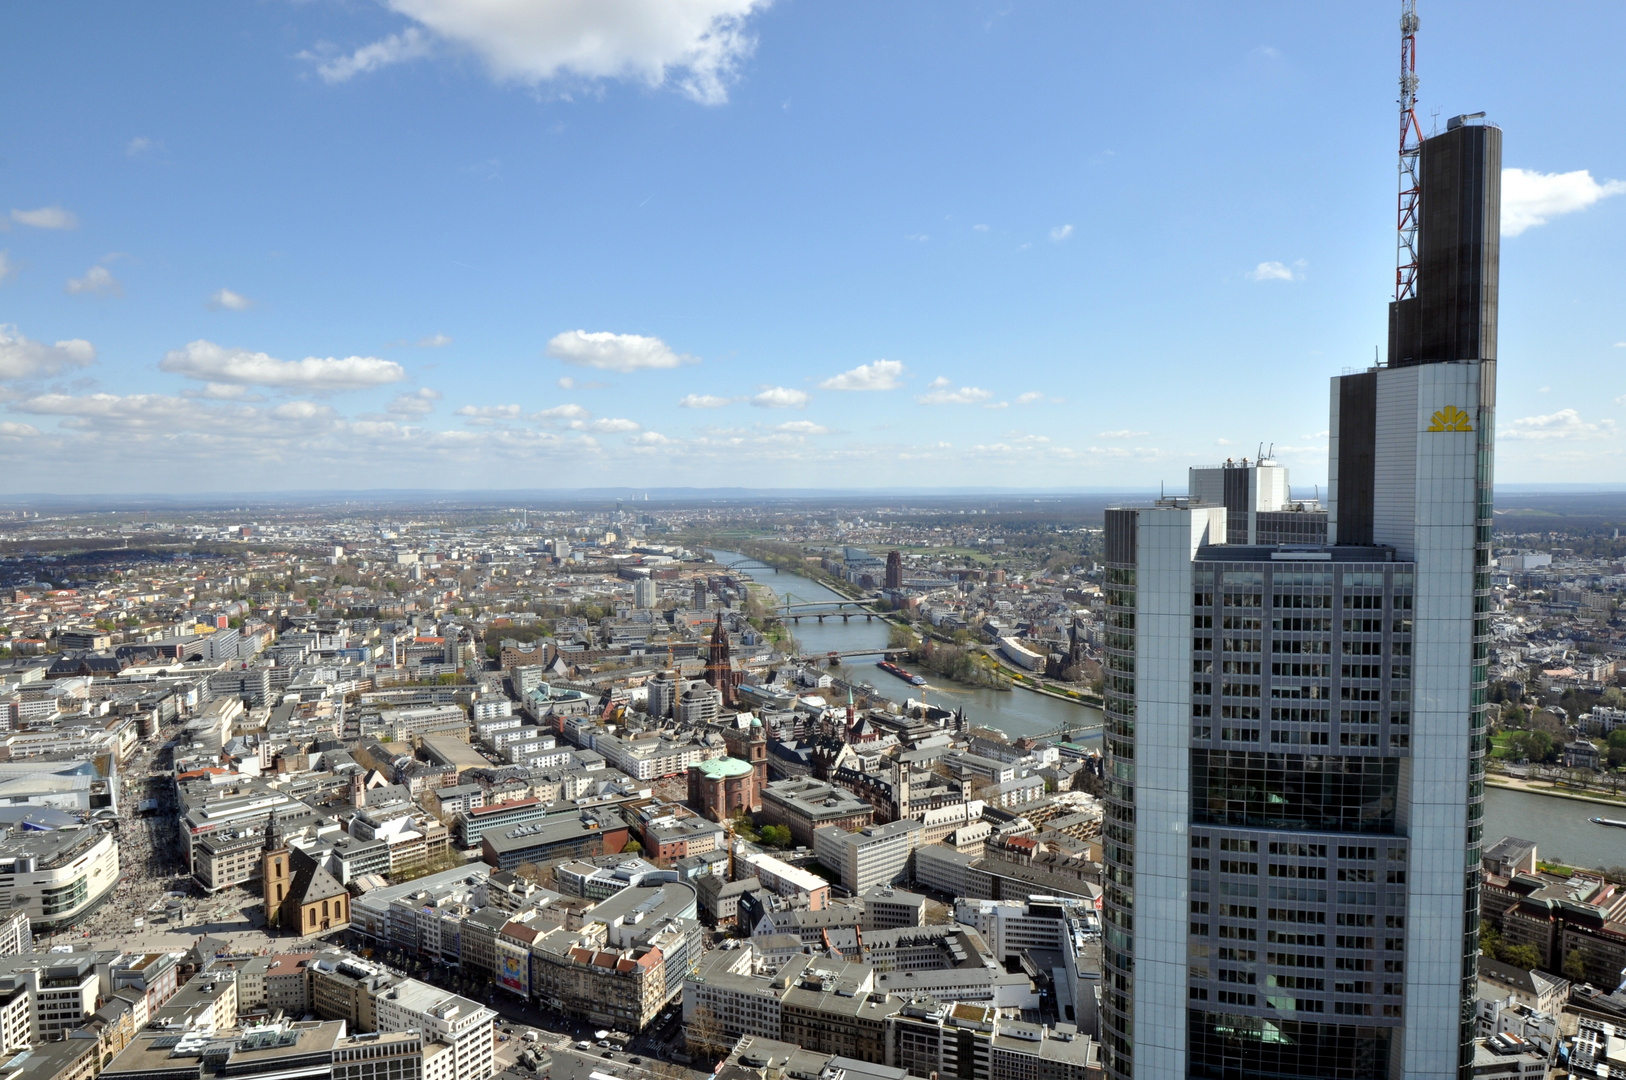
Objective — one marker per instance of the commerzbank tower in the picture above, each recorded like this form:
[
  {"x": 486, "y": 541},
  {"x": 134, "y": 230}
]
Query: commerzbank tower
[{"x": 1295, "y": 708}]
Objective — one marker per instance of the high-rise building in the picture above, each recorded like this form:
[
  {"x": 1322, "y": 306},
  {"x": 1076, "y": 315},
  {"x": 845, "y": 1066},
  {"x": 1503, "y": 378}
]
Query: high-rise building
[
  {"x": 1295, "y": 732},
  {"x": 894, "y": 570}
]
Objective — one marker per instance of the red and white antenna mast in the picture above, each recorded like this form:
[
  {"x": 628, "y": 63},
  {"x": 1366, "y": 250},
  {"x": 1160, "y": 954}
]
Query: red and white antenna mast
[{"x": 1411, "y": 148}]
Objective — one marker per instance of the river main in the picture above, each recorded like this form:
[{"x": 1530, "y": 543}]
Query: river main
[{"x": 1558, "y": 826}]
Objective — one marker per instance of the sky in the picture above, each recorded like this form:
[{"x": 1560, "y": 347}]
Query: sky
[{"x": 476, "y": 244}]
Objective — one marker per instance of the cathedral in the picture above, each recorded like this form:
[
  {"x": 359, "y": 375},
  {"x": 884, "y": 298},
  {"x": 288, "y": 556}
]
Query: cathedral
[{"x": 300, "y": 897}]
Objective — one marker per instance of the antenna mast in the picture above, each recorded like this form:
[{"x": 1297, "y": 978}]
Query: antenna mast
[{"x": 1411, "y": 148}]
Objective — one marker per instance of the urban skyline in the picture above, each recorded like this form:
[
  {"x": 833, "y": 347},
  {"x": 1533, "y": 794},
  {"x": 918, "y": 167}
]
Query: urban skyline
[{"x": 758, "y": 246}]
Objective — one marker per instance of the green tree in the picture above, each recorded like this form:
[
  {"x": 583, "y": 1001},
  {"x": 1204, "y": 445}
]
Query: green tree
[
  {"x": 632, "y": 847},
  {"x": 777, "y": 836},
  {"x": 1490, "y": 941},
  {"x": 1521, "y": 956},
  {"x": 1575, "y": 966}
]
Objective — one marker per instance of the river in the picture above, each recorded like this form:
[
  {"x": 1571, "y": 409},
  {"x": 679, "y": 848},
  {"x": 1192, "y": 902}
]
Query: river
[
  {"x": 1558, "y": 826},
  {"x": 1015, "y": 712}
]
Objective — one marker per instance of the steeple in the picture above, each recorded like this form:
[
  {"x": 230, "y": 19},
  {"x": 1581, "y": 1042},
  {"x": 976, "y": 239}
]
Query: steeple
[{"x": 274, "y": 838}]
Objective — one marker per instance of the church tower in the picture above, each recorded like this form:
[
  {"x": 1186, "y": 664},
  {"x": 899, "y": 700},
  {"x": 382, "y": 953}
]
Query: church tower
[{"x": 278, "y": 878}]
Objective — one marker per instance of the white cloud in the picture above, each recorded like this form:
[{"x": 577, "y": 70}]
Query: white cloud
[
  {"x": 138, "y": 146},
  {"x": 652, "y": 438},
  {"x": 1563, "y": 424},
  {"x": 7, "y": 267},
  {"x": 1620, "y": 344},
  {"x": 98, "y": 281},
  {"x": 419, "y": 402},
  {"x": 301, "y": 410},
  {"x": 409, "y": 44},
  {"x": 781, "y": 397},
  {"x": 803, "y": 427},
  {"x": 21, "y": 358},
  {"x": 46, "y": 217},
  {"x": 562, "y": 412},
  {"x": 877, "y": 375},
  {"x": 1029, "y": 397},
  {"x": 226, "y": 300},
  {"x": 1060, "y": 233},
  {"x": 942, "y": 392},
  {"x": 704, "y": 401},
  {"x": 488, "y": 414},
  {"x": 224, "y": 392},
  {"x": 980, "y": 228},
  {"x": 1272, "y": 271},
  {"x": 610, "y": 425},
  {"x": 695, "y": 45},
  {"x": 1533, "y": 198},
  {"x": 1124, "y": 434},
  {"x": 434, "y": 341},
  {"x": 10, "y": 430},
  {"x": 208, "y": 362},
  {"x": 614, "y": 352},
  {"x": 997, "y": 405}
]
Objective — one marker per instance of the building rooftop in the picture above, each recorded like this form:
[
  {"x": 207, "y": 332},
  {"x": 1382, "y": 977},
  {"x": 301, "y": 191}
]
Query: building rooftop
[{"x": 721, "y": 768}]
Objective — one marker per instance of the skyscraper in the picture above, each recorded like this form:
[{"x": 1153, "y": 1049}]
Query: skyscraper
[{"x": 1295, "y": 732}]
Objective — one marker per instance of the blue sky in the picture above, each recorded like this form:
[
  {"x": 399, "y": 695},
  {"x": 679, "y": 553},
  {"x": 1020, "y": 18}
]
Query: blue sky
[{"x": 566, "y": 243}]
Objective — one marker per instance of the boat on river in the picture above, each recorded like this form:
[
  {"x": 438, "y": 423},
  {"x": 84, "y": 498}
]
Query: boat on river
[
  {"x": 1609, "y": 821},
  {"x": 892, "y": 669}
]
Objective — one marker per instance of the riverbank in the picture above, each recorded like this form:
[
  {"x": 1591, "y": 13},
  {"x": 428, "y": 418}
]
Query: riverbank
[{"x": 1509, "y": 783}]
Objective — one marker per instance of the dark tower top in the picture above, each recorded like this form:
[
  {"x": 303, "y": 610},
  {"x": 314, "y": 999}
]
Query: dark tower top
[
  {"x": 274, "y": 838},
  {"x": 719, "y": 671},
  {"x": 1453, "y": 315}
]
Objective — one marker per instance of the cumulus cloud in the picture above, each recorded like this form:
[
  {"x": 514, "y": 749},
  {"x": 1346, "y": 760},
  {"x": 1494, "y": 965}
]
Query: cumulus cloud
[
  {"x": 803, "y": 427},
  {"x": 226, "y": 300},
  {"x": 562, "y": 412},
  {"x": 695, "y": 45},
  {"x": 7, "y": 267},
  {"x": 611, "y": 425},
  {"x": 10, "y": 430},
  {"x": 781, "y": 397},
  {"x": 21, "y": 358},
  {"x": 208, "y": 362},
  {"x": 138, "y": 146},
  {"x": 1563, "y": 424},
  {"x": 1272, "y": 271},
  {"x": 1124, "y": 434},
  {"x": 614, "y": 352},
  {"x": 409, "y": 44},
  {"x": 704, "y": 401},
  {"x": 419, "y": 402},
  {"x": 1029, "y": 397},
  {"x": 1533, "y": 198},
  {"x": 1060, "y": 233},
  {"x": 98, "y": 281},
  {"x": 942, "y": 392},
  {"x": 302, "y": 410},
  {"x": 488, "y": 414},
  {"x": 224, "y": 392},
  {"x": 434, "y": 341},
  {"x": 878, "y": 375},
  {"x": 46, "y": 217},
  {"x": 652, "y": 438}
]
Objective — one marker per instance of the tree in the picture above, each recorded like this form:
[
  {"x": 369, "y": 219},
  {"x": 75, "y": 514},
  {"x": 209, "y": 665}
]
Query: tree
[
  {"x": 1521, "y": 956},
  {"x": 632, "y": 847},
  {"x": 776, "y": 835},
  {"x": 1490, "y": 941},
  {"x": 704, "y": 1034},
  {"x": 1575, "y": 966}
]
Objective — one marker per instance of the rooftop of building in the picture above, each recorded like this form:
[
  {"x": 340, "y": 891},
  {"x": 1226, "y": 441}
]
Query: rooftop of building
[
  {"x": 814, "y": 798},
  {"x": 721, "y": 768},
  {"x": 159, "y": 1053}
]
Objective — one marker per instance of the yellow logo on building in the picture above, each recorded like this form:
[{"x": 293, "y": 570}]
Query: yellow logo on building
[{"x": 1450, "y": 418}]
